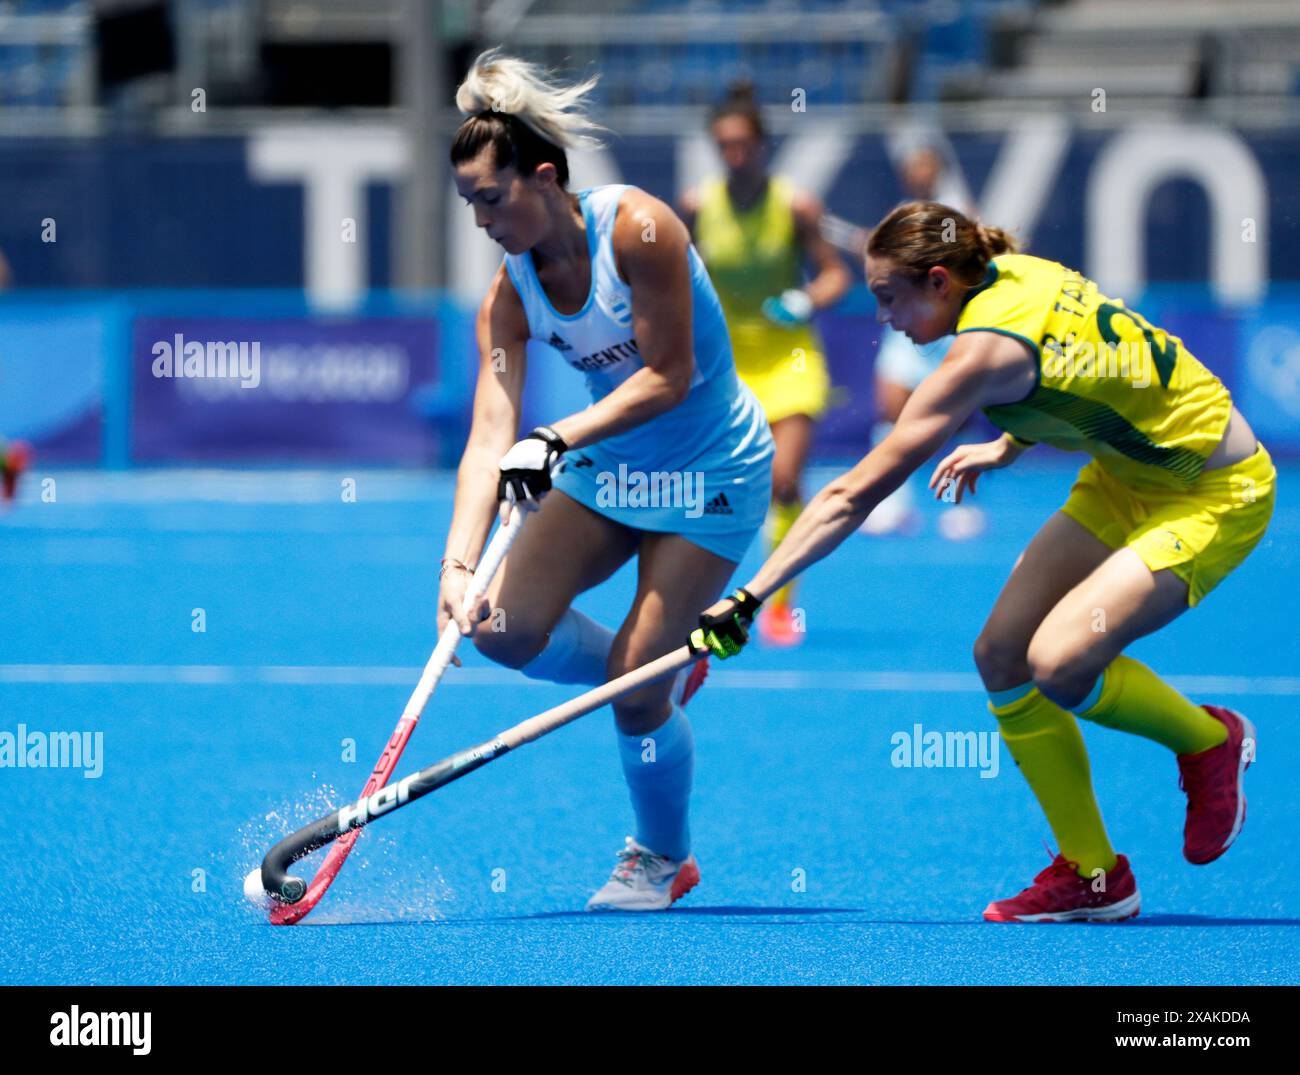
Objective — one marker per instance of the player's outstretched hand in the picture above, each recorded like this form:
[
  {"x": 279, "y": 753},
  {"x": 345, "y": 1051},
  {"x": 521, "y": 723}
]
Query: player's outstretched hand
[
  {"x": 958, "y": 471},
  {"x": 724, "y": 627},
  {"x": 791, "y": 307}
]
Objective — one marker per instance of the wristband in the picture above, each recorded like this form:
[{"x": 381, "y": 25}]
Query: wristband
[
  {"x": 448, "y": 562},
  {"x": 747, "y": 603},
  {"x": 553, "y": 440}
]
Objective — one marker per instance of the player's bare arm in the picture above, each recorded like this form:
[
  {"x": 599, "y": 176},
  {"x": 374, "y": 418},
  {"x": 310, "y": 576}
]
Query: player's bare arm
[
  {"x": 831, "y": 277},
  {"x": 502, "y": 334},
  {"x": 982, "y": 369}
]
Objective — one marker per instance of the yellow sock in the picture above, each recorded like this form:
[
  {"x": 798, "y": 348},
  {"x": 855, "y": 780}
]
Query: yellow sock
[
  {"x": 780, "y": 517},
  {"x": 1132, "y": 698},
  {"x": 1045, "y": 742}
]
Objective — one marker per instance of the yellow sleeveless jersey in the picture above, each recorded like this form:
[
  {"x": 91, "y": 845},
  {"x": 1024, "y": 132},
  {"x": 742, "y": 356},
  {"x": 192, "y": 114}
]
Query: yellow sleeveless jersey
[
  {"x": 752, "y": 255},
  {"x": 1110, "y": 383}
]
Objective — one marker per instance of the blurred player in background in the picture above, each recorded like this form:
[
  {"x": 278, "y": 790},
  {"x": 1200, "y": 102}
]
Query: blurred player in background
[
  {"x": 641, "y": 321},
  {"x": 753, "y": 229},
  {"x": 1178, "y": 493},
  {"x": 901, "y": 366}
]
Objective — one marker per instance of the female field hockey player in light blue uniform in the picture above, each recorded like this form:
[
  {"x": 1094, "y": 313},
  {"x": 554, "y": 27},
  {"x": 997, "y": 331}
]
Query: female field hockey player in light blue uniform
[{"x": 671, "y": 462}]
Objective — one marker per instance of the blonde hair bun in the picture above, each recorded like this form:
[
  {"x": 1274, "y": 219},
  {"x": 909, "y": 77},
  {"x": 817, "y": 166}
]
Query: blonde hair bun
[{"x": 507, "y": 84}]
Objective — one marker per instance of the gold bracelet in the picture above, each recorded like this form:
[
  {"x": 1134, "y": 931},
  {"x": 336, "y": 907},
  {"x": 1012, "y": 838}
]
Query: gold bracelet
[{"x": 450, "y": 562}]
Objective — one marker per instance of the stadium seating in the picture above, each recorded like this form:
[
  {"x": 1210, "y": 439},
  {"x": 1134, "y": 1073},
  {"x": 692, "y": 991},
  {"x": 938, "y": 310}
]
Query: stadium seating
[
  {"x": 655, "y": 53},
  {"x": 45, "y": 52}
]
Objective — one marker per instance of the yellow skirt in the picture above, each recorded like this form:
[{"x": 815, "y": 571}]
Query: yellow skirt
[
  {"x": 787, "y": 380},
  {"x": 1200, "y": 534}
]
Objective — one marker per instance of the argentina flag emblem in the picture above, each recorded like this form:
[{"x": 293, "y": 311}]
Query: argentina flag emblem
[{"x": 620, "y": 309}]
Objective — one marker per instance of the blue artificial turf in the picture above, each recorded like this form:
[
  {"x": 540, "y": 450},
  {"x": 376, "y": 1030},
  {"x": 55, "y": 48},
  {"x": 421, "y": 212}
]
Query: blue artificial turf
[{"x": 821, "y": 860}]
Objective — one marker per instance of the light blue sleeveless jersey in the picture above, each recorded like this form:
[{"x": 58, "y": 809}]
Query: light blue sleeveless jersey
[{"x": 702, "y": 469}]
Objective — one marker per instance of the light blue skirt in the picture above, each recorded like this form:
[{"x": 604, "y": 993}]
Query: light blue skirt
[{"x": 702, "y": 470}]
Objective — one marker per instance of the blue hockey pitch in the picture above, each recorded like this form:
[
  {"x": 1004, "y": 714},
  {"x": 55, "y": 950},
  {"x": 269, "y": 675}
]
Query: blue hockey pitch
[{"x": 823, "y": 859}]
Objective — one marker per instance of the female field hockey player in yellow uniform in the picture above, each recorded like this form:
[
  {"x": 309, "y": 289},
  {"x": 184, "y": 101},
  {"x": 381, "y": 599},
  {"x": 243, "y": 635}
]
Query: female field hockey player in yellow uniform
[
  {"x": 751, "y": 228},
  {"x": 1177, "y": 494},
  {"x": 641, "y": 322}
]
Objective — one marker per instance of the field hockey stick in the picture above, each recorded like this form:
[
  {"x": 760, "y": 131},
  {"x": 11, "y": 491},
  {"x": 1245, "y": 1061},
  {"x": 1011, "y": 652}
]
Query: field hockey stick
[
  {"x": 844, "y": 234},
  {"x": 283, "y": 915},
  {"x": 349, "y": 820}
]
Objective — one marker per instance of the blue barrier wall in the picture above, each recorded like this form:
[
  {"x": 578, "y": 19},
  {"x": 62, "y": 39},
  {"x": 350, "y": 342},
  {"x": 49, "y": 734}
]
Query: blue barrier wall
[
  {"x": 85, "y": 376},
  {"x": 143, "y": 377},
  {"x": 191, "y": 212}
]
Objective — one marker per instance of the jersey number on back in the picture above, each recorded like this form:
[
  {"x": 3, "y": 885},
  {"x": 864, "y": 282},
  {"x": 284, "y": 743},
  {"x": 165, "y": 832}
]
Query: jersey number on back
[{"x": 1163, "y": 358}]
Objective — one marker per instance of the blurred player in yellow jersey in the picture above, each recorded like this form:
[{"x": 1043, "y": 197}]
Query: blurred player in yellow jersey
[
  {"x": 753, "y": 229},
  {"x": 1176, "y": 495}
]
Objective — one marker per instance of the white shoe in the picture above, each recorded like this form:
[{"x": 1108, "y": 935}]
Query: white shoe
[
  {"x": 896, "y": 514},
  {"x": 644, "y": 881}
]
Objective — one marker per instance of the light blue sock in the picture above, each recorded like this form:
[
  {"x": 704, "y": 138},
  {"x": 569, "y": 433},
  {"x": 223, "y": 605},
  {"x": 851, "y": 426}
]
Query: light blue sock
[
  {"x": 658, "y": 766},
  {"x": 577, "y": 652},
  {"x": 1091, "y": 698},
  {"x": 1012, "y": 694}
]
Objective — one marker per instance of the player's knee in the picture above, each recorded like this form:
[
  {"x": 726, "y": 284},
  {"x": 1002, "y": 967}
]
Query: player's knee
[
  {"x": 620, "y": 661},
  {"x": 641, "y": 712},
  {"x": 1001, "y": 664},
  {"x": 509, "y": 644},
  {"x": 1059, "y": 671}
]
